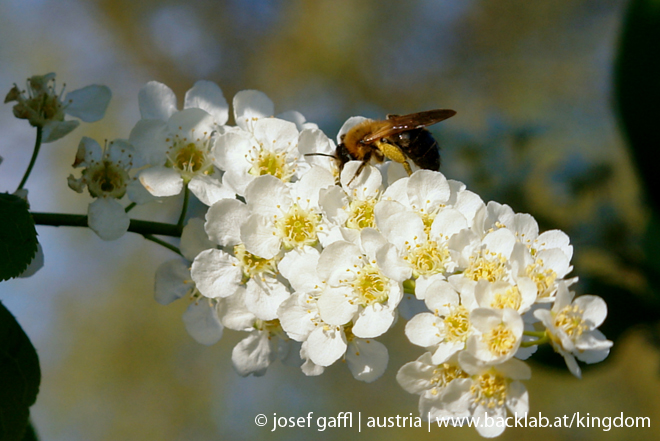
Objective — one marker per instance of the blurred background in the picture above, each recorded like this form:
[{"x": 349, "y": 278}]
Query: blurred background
[{"x": 536, "y": 128}]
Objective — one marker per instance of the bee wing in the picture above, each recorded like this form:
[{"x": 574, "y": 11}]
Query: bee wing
[{"x": 400, "y": 123}]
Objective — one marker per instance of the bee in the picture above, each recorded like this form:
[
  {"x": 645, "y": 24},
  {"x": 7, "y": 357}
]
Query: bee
[{"x": 399, "y": 138}]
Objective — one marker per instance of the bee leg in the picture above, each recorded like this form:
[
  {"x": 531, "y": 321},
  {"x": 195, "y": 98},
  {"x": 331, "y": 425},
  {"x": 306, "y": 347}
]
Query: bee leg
[
  {"x": 394, "y": 153},
  {"x": 357, "y": 172}
]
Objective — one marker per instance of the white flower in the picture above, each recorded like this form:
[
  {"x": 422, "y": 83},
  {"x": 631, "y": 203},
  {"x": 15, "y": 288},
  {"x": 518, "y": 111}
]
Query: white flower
[
  {"x": 284, "y": 217},
  {"x": 571, "y": 327},
  {"x": 429, "y": 380},
  {"x": 221, "y": 272},
  {"x": 416, "y": 217},
  {"x": 177, "y": 144},
  {"x": 490, "y": 259},
  {"x": 349, "y": 210},
  {"x": 202, "y": 318},
  {"x": 265, "y": 343},
  {"x": 489, "y": 391},
  {"x": 323, "y": 343},
  {"x": 270, "y": 148},
  {"x": 497, "y": 336},
  {"x": 356, "y": 288},
  {"x": 45, "y": 108},
  {"x": 179, "y": 152},
  {"x": 446, "y": 329},
  {"x": 106, "y": 177},
  {"x": 544, "y": 258},
  {"x": 500, "y": 295}
]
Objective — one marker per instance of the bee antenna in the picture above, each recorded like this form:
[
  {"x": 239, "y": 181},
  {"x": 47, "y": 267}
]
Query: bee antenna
[{"x": 320, "y": 154}]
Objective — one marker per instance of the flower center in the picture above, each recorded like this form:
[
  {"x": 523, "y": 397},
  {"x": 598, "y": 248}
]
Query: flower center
[
  {"x": 486, "y": 266},
  {"x": 489, "y": 390},
  {"x": 298, "y": 227},
  {"x": 361, "y": 214},
  {"x": 443, "y": 374},
  {"x": 106, "y": 178},
  {"x": 500, "y": 340},
  {"x": 268, "y": 162},
  {"x": 510, "y": 298},
  {"x": 253, "y": 265},
  {"x": 371, "y": 286},
  {"x": 544, "y": 278},
  {"x": 570, "y": 320},
  {"x": 457, "y": 324},
  {"x": 273, "y": 328},
  {"x": 428, "y": 258},
  {"x": 190, "y": 158}
]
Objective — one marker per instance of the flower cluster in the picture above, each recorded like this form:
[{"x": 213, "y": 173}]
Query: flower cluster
[{"x": 315, "y": 259}]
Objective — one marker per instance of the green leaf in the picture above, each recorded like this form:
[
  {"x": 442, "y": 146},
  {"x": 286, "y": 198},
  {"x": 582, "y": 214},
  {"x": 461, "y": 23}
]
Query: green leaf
[
  {"x": 18, "y": 237},
  {"x": 637, "y": 88},
  {"x": 20, "y": 376}
]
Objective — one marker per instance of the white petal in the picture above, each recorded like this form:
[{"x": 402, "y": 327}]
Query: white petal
[
  {"x": 89, "y": 103},
  {"x": 216, "y": 273},
  {"x": 263, "y": 297},
  {"x": 88, "y": 151},
  {"x": 415, "y": 377},
  {"x": 324, "y": 347},
  {"x": 149, "y": 137},
  {"x": 392, "y": 265},
  {"x": 202, "y": 322},
  {"x": 336, "y": 259},
  {"x": 191, "y": 123},
  {"x": 157, "y": 101},
  {"x": 172, "y": 281},
  {"x": 373, "y": 322},
  {"x": 260, "y": 237},
  {"x": 250, "y": 105},
  {"x": 208, "y": 96},
  {"x": 138, "y": 194},
  {"x": 265, "y": 193},
  {"x": 517, "y": 398},
  {"x": 161, "y": 181},
  {"x": 445, "y": 351},
  {"x": 428, "y": 188},
  {"x": 223, "y": 221},
  {"x": 208, "y": 189},
  {"x": 233, "y": 313},
  {"x": 500, "y": 241},
  {"x": 54, "y": 130},
  {"x": 367, "y": 359},
  {"x": 279, "y": 134},
  {"x": 122, "y": 153},
  {"x": 297, "y": 316},
  {"x": 253, "y": 354},
  {"x": 107, "y": 218},
  {"x": 440, "y": 296},
  {"x": 231, "y": 151},
  {"x": 194, "y": 239},
  {"x": 423, "y": 330},
  {"x": 308, "y": 187},
  {"x": 595, "y": 309},
  {"x": 299, "y": 268},
  {"x": 447, "y": 223},
  {"x": 335, "y": 308}
]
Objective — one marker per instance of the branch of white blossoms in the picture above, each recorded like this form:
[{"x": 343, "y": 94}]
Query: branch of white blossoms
[{"x": 315, "y": 263}]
